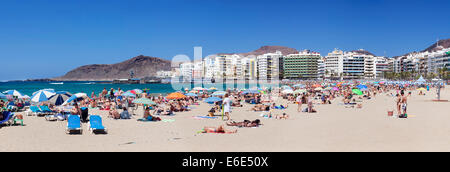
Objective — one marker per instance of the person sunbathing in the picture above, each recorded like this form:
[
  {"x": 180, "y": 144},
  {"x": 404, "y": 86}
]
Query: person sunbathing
[
  {"x": 148, "y": 117},
  {"x": 284, "y": 116},
  {"x": 219, "y": 129},
  {"x": 114, "y": 114},
  {"x": 167, "y": 111},
  {"x": 245, "y": 123},
  {"x": 260, "y": 107}
]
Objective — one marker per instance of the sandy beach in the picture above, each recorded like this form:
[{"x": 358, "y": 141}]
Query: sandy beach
[{"x": 333, "y": 128}]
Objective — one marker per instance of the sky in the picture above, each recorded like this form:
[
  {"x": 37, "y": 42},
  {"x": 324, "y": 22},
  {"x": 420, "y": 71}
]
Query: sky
[{"x": 47, "y": 38}]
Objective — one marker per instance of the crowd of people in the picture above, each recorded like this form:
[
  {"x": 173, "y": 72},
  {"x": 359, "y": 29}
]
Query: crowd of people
[{"x": 306, "y": 94}]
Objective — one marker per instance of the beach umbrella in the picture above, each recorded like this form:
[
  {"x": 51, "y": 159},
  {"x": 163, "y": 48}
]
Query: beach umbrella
[
  {"x": 299, "y": 86},
  {"x": 198, "y": 89},
  {"x": 317, "y": 85},
  {"x": 357, "y": 91},
  {"x": 287, "y": 91},
  {"x": 285, "y": 87},
  {"x": 128, "y": 94},
  {"x": 191, "y": 94},
  {"x": 144, "y": 101},
  {"x": 318, "y": 89},
  {"x": 335, "y": 88},
  {"x": 422, "y": 89},
  {"x": 328, "y": 88},
  {"x": 175, "y": 96},
  {"x": 76, "y": 98},
  {"x": 63, "y": 92},
  {"x": 59, "y": 99},
  {"x": 211, "y": 100},
  {"x": 41, "y": 96},
  {"x": 213, "y": 88},
  {"x": 137, "y": 91},
  {"x": 13, "y": 93},
  {"x": 219, "y": 93},
  {"x": 299, "y": 91},
  {"x": 363, "y": 89},
  {"x": 362, "y": 86},
  {"x": 250, "y": 92},
  {"x": 46, "y": 92}
]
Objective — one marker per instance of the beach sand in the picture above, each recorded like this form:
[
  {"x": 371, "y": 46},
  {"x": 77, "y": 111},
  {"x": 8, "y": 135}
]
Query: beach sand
[{"x": 333, "y": 128}]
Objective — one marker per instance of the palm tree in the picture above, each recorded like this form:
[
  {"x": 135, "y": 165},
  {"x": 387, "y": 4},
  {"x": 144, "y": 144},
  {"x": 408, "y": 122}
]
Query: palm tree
[{"x": 443, "y": 72}]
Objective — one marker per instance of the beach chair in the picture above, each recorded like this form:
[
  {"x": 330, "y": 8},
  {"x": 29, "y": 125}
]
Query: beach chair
[
  {"x": 36, "y": 111},
  {"x": 74, "y": 124},
  {"x": 52, "y": 117},
  {"x": 46, "y": 109},
  {"x": 96, "y": 124},
  {"x": 8, "y": 118}
]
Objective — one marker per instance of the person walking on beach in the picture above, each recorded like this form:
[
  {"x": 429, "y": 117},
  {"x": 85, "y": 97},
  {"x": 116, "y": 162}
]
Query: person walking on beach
[{"x": 227, "y": 107}]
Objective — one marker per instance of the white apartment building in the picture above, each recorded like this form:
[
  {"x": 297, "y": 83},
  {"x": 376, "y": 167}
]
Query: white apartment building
[
  {"x": 249, "y": 68},
  {"x": 423, "y": 62},
  {"x": 268, "y": 65},
  {"x": 381, "y": 65},
  {"x": 352, "y": 65},
  {"x": 321, "y": 68},
  {"x": 164, "y": 74},
  {"x": 334, "y": 63},
  {"x": 186, "y": 70}
]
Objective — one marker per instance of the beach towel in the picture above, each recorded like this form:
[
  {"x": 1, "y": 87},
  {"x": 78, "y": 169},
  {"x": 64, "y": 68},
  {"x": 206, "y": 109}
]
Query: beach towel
[
  {"x": 204, "y": 117},
  {"x": 280, "y": 107},
  {"x": 168, "y": 120},
  {"x": 148, "y": 119}
]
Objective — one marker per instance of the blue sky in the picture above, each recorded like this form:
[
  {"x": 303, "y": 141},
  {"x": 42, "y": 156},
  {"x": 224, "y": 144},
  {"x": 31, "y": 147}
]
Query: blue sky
[{"x": 47, "y": 38}]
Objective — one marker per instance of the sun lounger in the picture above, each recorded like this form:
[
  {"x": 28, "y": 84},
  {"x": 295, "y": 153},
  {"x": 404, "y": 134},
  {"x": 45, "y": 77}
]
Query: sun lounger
[
  {"x": 95, "y": 124},
  {"x": 46, "y": 109},
  {"x": 36, "y": 111},
  {"x": 73, "y": 124},
  {"x": 8, "y": 118}
]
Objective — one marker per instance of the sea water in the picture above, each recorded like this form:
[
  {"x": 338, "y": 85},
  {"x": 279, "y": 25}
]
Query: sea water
[{"x": 28, "y": 88}]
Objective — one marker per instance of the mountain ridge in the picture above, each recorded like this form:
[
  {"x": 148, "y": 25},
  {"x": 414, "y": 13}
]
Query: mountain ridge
[{"x": 142, "y": 66}]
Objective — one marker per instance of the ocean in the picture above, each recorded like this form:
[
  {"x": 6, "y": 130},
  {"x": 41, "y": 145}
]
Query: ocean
[{"x": 28, "y": 88}]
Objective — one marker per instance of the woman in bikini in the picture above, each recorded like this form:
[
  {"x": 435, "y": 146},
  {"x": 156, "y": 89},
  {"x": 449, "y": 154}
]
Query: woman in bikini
[
  {"x": 245, "y": 123},
  {"x": 398, "y": 104},
  {"x": 219, "y": 129}
]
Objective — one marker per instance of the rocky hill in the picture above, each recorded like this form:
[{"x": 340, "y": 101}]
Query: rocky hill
[
  {"x": 362, "y": 51},
  {"x": 267, "y": 49},
  {"x": 445, "y": 43},
  {"x": 142, "y": 66}
]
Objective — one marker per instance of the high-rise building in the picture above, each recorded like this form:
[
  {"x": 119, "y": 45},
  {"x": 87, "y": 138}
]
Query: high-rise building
[
  {"x": 334, "y": 64},
  {"x": 268, "y": 65},
  {"x": 303, "y": 65}
]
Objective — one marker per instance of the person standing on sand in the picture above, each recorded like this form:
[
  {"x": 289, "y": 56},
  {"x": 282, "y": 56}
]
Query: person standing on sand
[
  {"x": 104, "y": 93},
  {"x": 299, "y": 102},
  {"x": 111, "y": 94},
  {"x": 227, "y": 107},
  {"x": 404, "y": 102},
  {"x": 398, "y": 104}
]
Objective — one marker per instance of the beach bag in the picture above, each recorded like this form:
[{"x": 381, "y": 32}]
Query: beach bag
[
  {"x": 403, "y": 116},
  {"x": 19, "y": 116},
  {"x": 390, "y": 113}
]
